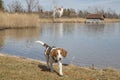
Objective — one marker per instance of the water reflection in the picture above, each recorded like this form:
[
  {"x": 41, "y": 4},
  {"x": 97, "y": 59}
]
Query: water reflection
[
  {"x": 2, "y": 41},
  {"x": 96, "y": 28},
  {"x": 21, "y": 34},
  {"x": 17, "y": 35},
  {"x": 61, "y": 29},
  {"x": 58, "y": 29}
]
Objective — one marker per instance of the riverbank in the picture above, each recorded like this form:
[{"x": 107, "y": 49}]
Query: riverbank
[
  {"x": 16, "y": 68},
  {"x": 71, "y": 20},
  {"x": 62, "y": 20},
  {"x": 24, "y": 20},
  {"x": 111, "y": 20}
]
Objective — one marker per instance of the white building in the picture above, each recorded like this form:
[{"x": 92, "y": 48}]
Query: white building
[{"x": 58, "y": 12}]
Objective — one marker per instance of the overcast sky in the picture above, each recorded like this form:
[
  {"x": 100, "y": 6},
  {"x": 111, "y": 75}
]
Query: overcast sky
[{"x": 77, "y": 4}]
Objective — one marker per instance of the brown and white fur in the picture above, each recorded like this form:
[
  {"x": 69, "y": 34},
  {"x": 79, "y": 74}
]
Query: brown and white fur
[{"x": 52, "y": 55}]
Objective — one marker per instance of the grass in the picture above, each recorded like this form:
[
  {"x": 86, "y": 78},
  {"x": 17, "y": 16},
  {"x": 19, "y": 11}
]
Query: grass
[
  {"x": 62, "y": 20},
  {"x": 72, "y": 20},
  {"x": 18, "y": 20},
  {"x": 15, "y": 68},
  {"x": 112, "y": 20}
]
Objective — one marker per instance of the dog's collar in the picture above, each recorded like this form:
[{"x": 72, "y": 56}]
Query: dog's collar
[
  {"x": 53, "y": 57},
  {"x": 50, "y": 49}
]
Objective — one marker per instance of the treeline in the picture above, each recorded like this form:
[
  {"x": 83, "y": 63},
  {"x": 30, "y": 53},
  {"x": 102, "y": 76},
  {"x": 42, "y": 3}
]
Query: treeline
[
  {"x": 83, "y": 13},
  {"x": 29, "y": 6},
  {"x": 33, "y": 6},
  {"x": 1, "y": 5}
]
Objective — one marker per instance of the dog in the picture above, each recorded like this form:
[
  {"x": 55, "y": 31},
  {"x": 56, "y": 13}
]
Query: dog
[{"x": 53, "y": 55}]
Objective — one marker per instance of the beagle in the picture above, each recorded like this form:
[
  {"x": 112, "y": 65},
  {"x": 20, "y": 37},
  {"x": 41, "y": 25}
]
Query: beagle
[{"x": 53, "y": 55}]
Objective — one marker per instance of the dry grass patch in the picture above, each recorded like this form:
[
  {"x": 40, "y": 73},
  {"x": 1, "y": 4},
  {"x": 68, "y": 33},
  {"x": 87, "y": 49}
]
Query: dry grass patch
[
  {"x": 62, "y": 20},
  {"x": 14, "y": 68},
  {"x": 70, "y": 20},
  {"x": 111, "y": 20}
]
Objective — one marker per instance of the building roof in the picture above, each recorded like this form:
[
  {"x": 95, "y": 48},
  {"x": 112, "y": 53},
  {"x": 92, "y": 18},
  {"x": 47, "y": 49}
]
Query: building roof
[{"x": 95, "y": 16}]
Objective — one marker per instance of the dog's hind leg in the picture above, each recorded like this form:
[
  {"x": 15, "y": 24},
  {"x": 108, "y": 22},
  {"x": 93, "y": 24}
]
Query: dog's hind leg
[
  {"x": 47, "y": 61},
  {"x": 51, "y": 65}
]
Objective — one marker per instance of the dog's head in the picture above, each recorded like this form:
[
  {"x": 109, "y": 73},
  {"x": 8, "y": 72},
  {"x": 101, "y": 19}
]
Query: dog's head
[{"x": 59, "y": 53}]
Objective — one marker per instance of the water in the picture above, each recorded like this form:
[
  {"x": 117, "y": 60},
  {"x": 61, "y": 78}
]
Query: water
[{"x": 86, "y": 44}]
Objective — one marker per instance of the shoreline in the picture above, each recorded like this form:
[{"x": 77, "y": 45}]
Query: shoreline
[
  {"x": 44, "y": 62},
  {"x": 17, "y": 20},
  {"x": 19, "y": 68},
  {"x": 24, "y": 58},
  {"x": 72, "y": 20}
]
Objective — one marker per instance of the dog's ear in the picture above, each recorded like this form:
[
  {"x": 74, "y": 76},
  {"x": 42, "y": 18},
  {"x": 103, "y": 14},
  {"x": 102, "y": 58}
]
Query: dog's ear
[
  {"x": 64, "y": 53},
  {"x": 54, "y": 53}
]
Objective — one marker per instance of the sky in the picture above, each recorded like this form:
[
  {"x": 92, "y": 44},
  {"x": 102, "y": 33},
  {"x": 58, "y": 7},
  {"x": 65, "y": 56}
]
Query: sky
[{"x": 77, "y": 4}]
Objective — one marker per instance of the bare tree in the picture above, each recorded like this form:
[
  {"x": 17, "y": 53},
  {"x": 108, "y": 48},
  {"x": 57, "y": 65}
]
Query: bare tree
[
  {"x": 1, "y": 5},
  {"x": 15, "y": 6},
  {"x": 32, "y": 4},
  {"x": 39, "y": 8}
]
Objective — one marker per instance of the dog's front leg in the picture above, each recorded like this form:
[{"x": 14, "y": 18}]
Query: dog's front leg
[{"x": 60, "y": 68}]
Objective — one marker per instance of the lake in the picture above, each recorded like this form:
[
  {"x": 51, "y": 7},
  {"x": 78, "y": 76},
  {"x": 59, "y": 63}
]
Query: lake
[{"x": 86, "y": 44}]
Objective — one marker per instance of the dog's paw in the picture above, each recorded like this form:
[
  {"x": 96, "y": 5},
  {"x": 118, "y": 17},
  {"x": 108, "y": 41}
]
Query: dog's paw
[{"x": 60, "y": 74}]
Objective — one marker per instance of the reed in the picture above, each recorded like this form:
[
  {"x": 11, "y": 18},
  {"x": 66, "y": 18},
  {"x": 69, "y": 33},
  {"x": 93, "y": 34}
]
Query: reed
[{"x": 18, "y": 20}]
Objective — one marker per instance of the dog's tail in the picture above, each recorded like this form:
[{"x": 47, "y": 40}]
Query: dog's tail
[{"x": 42, "y": 43}]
